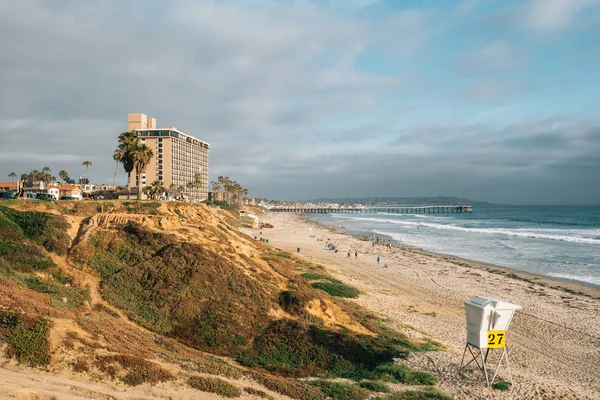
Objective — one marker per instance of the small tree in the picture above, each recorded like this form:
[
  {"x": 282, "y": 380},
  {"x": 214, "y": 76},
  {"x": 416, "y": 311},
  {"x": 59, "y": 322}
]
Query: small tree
[
  {"x": 63, "y": 175},
  {"x": 12, "y": 176}
]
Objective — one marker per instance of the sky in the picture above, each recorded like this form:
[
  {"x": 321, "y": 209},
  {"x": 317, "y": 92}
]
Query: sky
[{"x": 490, "y": 100}]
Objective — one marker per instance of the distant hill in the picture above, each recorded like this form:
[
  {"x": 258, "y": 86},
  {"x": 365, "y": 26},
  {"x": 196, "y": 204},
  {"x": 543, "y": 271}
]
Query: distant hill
[{"x": 409, "y": 201}]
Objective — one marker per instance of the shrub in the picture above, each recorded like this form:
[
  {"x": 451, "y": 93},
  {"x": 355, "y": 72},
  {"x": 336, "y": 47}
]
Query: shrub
[
  {"x": 38, "y": 264},
  {"x": 258, "y": 393},
  {"x": 214, "y": 385},
  {"x": 9, "y": 319},
  {"x": 284, "y": 255},
  {"x": 340, "y": 391},
  {"x": 137, "y": 370},
  {"x": 317, "y": 277},
  {"x": 294, "y": 302},
  {"x": 502, "y": 386},
  {"x": 75, "y": 296},
  {"x": 415, "y": 395},
  {"x": 403, "y": 374},
  {"x": 212, "y": 366},
  {"x": 337, "y": 289},
  {"x": 374, "y": 386},
  {"x": 102, "y": 308},
  {"x": 46, "y": 229},
  {"x": 80, "y": 365},
  {"x": 69, "y": 340},
  {"x": 28, "y": 341},
  {"x": 294, "y": 389},
  {"x": 142, "y": 207},
  {"x": 298, "y": 349}
]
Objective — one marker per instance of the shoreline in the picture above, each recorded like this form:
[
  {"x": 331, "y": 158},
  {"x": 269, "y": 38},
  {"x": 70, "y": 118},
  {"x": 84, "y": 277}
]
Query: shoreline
[
  {"x": 572, "y": 286},
  {"x": 554, "y": 343}
]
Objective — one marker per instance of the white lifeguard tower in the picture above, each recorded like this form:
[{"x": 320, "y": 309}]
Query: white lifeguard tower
[{"x": 487, "y": 323}]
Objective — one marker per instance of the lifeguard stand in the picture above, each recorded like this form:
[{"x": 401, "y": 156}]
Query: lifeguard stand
[{"x": 487, "y": 323}]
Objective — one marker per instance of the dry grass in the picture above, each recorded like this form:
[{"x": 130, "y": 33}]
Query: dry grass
[
  {"x": 214, "y": 385},
  {"x": 294, "y": 389},
  {"x": 132, "y": 370}
]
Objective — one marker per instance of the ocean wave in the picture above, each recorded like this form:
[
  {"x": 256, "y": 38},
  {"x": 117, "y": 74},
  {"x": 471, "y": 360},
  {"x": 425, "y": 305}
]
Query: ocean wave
[
  {"x": 551, "y": 222},
  {"x": 571, "y": 236},
  {"x": 431, "y": 216},
  {"x": 582, "y": 278}
]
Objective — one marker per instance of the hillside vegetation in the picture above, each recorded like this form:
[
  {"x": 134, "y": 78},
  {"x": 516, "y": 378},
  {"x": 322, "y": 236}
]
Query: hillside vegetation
[{"x": 148, "y": 292}]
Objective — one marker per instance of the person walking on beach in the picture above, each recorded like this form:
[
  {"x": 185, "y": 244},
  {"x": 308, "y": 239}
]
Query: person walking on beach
[
  {"x": 356, "y": 254},
  {"x": 378, "y": 259},
  {"x": 349, "y": 253}
]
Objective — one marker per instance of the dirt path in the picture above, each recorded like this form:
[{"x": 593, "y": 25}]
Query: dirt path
[{"x": 554, "y": 341}]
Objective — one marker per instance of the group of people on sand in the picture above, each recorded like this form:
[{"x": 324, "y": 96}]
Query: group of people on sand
[{"x": 331, "y": 246}]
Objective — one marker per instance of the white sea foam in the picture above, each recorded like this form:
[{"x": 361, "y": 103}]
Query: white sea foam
[
  {"x": 589, "y": 279},
  {"x": 563, "y": 235}
]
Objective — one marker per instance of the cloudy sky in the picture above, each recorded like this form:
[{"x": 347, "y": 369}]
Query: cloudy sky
[{"x": 489, "y": 100}]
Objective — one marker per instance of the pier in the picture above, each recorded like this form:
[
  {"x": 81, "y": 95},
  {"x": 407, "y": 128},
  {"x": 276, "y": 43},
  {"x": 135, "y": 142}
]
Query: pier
[{"x": 374, "y": 210}]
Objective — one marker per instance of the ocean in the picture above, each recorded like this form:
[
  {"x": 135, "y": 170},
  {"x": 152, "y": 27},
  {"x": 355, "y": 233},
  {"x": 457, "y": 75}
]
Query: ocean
[{"x": 561, "y": 242}]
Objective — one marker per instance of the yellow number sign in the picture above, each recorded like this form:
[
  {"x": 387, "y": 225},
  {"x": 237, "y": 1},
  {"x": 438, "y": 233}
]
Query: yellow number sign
[{"x": 496, "y": 339}]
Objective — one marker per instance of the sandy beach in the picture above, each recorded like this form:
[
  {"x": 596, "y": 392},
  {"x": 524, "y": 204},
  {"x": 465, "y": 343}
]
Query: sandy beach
[{"x": 554, "y": 340}]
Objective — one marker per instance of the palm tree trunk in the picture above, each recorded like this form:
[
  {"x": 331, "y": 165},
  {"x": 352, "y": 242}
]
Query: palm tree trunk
[
  {"x": 128, "y": 186},
  {"x": 139, "y": 186},
  {"x": 115, "y": 177}
]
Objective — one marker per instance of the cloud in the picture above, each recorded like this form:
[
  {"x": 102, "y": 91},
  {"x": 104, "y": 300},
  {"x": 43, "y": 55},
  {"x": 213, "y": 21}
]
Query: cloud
[
  {"x": 495, "y": 164},
  {"x": 277, "y": 89},
  {"x": 495, "y": 89},
  {"x": 492, "y": 58},
  {"x": 552, "y": 16},
  {"x": 466, "y": 7}
]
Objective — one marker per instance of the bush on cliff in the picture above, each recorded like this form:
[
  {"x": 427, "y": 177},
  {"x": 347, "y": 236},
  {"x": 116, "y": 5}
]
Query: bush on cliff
[
  {"x": 26, "y": 338},
  {"x": 180, "y": 289},
  {"x": 47, "y": 229}
]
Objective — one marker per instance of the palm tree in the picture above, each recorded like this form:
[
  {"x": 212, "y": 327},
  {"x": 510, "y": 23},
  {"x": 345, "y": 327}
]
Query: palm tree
[
  {"x": 226, "y": 184},
  {"x": 12, "y": 176},
  {"x": 142, "y": 155},
  {"x": 216, "y": 186},
  {"x": 128, "y": 142},
  {"x": 63, "y": 175},
  {"x": 35, "y": 175},
  {"x": 45, "y": 176},
  {"x": 156, "y": 189},
  {"x": 86, "y": 164},
  {"x": 197, "y": 183}
]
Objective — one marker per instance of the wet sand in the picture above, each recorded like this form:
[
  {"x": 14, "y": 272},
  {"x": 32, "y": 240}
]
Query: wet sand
[{"x": 554, "y": 340}]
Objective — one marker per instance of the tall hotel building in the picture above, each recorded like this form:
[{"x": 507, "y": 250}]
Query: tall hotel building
[{"x": 178, "y": 157}]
